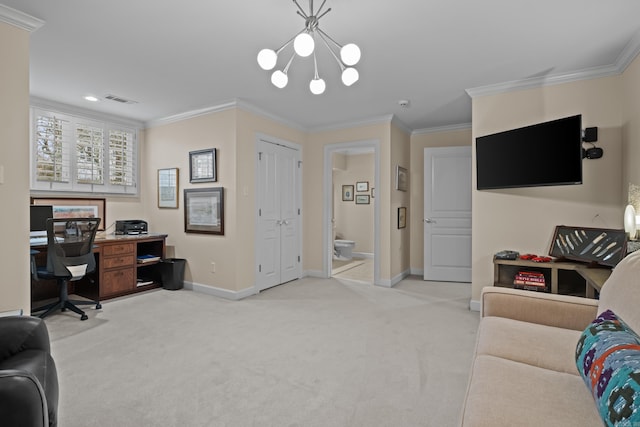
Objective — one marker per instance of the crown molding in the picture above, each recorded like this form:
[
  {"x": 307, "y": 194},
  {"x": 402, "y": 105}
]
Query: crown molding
[
  {"x": 236, "y": 103},
  {"x": 386, "y": 119},
  {"x": 190, "y": 114},
  {"x": 19, "y": 19},
  {"x": 395, "y": 120},
  {"x": 449, "y": 128},
  {"x": 624, "y": 59}
]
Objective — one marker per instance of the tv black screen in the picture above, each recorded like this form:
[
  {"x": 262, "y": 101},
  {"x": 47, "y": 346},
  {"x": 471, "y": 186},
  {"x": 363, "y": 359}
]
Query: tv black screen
[{"x": 543, "y": 154}]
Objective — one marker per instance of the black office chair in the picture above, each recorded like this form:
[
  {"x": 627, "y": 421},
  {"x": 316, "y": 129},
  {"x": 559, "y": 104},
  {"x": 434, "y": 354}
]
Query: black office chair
[{"x": 69, "y": 258}]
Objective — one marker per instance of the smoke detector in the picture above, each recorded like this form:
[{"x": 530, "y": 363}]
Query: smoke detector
[{"x": 404, "y": 103}]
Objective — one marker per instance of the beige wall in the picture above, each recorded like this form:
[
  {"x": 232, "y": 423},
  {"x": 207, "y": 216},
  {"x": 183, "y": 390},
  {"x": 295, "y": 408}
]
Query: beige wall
[
  {"x": 631, "y": 127},
  {"x": 399, "y": 238},
  {"x": 419, "y": 142},
  {"x": 352, "y": 221},
  {"x": 524, "y": 219},
  {"x": 14, "y": 158}
]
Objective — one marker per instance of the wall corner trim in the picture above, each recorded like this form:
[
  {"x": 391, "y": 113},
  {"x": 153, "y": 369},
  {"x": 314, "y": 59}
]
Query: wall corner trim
[
  {"x": 474, "y": 305},
  {"x": 19, "y": 19}
]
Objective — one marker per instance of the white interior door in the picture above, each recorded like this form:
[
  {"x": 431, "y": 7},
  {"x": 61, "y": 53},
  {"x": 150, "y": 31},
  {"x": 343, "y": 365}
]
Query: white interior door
[
  {"x": 278, "y": 230},
  {"x": 447, "y": 214}
]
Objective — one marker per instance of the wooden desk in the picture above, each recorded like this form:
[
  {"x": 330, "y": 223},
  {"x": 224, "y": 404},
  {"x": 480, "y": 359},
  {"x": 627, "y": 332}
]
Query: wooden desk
[
  {"x": 595, "y": 278},
  {"x": 117, "y": 270}
]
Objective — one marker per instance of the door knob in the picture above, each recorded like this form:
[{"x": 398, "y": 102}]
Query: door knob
[{"x": 428, "y": 220}]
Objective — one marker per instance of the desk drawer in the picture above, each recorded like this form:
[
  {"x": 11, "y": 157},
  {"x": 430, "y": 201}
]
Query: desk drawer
[
  {"x": 118, "y": 249},
  {"x": 117, "y": 281},
  {"x": 120, "y": 261}
]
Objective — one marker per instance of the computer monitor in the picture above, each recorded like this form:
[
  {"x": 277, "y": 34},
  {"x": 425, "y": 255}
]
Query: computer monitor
[{"x": 39, "y": 215}]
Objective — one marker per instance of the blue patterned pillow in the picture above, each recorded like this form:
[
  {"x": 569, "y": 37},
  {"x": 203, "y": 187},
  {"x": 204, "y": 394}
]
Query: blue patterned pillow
[{"x": 608, "y": 359}]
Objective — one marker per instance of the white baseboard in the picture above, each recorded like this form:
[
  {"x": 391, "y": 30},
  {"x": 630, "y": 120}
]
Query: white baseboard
[
  {"x": 474, "y": 305},
  {"x": 395, "y": 280},
  {"x": 314, "y": 273},
  {"x": 417, "y": 272},
  {"x": 362, "y": 255},
  {"x": 219, "y": 292}
]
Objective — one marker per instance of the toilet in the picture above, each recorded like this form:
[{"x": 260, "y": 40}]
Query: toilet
[{"x": 343, "y": 249}]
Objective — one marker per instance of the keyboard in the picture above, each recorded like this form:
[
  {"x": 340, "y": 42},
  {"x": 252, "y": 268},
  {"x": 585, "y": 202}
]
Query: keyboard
[{"x": 33, "y": 241}]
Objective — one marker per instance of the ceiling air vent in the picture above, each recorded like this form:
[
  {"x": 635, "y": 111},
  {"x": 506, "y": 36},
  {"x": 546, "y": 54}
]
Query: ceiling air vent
[{"x": 119, "y": 99}]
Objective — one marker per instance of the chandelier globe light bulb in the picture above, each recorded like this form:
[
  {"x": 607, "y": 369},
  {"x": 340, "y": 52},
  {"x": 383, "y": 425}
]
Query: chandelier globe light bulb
[
  {"x": 279, "y": 79},
  {"x": 267, "y": 59},
  {"x": 317, "y": 86},
  {"x": 304, "y": 44},
  {"x": 350, "y": 54},
  {"x": 350, "y": 76}
]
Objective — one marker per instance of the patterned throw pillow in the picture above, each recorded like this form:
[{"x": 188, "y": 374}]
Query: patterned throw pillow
[{"x": 608, "y": 359}]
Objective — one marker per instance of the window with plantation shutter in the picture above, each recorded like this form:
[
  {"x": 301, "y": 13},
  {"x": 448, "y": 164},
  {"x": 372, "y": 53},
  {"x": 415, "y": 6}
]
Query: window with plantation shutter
[
  {"x": 75, "y": 154},
  {"x": 121, "y": 158},
  {"x": 89, "y": 154},
  {"x": 52, "y": 149}
]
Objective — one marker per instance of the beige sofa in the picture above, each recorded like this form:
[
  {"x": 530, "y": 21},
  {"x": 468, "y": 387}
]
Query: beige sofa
[{"x": 524, "y": 371}]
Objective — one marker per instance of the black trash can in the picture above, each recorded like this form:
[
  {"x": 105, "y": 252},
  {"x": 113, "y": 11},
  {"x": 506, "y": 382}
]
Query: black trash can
[{"x": 172, "y": 273}]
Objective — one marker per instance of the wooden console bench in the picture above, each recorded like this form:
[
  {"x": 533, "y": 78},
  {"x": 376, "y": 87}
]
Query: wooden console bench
[{"x": 563, "y": 277}]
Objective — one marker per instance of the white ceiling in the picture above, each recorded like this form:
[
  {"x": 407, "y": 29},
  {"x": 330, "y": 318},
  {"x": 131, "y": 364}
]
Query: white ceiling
[{"x": 173, "y": 57}]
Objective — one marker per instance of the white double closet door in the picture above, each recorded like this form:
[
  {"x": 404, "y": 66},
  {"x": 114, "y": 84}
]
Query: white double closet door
[{"x": 278, "y": 233}]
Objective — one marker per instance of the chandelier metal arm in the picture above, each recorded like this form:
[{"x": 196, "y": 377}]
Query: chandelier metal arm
[
  {"x": 304, "y": 14},
  {"x": 321, "y": 6},
  {"x": 322, "y": 35},
  {"x": 286, "y": 69}
]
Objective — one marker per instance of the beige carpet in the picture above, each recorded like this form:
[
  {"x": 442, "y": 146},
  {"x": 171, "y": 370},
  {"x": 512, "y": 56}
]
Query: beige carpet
[{"x": 309, "y": 353}]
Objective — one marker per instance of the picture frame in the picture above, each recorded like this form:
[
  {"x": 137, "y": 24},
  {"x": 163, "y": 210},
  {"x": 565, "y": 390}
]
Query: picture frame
[
  {"x": 75, "y": 208},
  {"x": 402, "y": 178},
  {"x": 204, "y": 210},
  {"x": 362, "y": 199},
  {"x": 168, "y": 184},
  {"x": 601, "y": 246},
  {"x": 202, "y": 166},
  {"x": 402, "y": 217},
  {"x": 362, "y": 186},
  {"x": 347, "y": 193}
]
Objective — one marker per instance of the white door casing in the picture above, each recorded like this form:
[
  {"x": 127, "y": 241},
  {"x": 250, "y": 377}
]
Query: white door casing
[
  {"x": 447, "y": 214},
  {"x": 278, "y": 222}
]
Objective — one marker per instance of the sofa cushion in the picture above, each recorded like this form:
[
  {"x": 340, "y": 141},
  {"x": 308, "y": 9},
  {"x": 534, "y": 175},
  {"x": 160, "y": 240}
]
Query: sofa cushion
[
  {"x": 608, "y": 359},
  {"x": 621, "y": 293},
  {"x": 528, "y": 343},
  {"x": 504, "y": 393}
]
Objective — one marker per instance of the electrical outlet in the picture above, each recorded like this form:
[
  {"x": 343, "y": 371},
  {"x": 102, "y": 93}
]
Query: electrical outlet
[{"x": 213, "y": 267}]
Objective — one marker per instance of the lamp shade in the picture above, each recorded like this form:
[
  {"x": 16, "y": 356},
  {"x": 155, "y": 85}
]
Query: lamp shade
[
  {"x": 279, "y": 79},
  {"x": 304, "y": 44},
  {"x": 317, "y": 86},
  {"x": 350, "y": 54},
  {"x": 267, "y": 59},
  {"x": 350, "y": 76}
]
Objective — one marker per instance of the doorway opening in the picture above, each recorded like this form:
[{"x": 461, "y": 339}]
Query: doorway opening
[{"x": 351, "y": 211}]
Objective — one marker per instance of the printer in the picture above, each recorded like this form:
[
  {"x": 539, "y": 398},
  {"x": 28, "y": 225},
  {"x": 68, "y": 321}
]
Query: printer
[{"x": 131, "y": 226}]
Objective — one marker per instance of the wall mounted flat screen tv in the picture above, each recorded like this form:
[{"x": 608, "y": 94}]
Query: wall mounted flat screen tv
[{"x": 543, "y": 154}]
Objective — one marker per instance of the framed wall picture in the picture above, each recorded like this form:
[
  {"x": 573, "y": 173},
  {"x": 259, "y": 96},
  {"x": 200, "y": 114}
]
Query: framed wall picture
[
  {"x": 168, "y": 188},
  {"x": 402, "y": 179},
  {"x": 202, "y": 166},
  {"x": 362, "y": 199},
  {"x": 347, "y": 193},
  {"x": 362, "y": 186},
  {"x": 402, "y": 217},
  {"x": 75, "y": 208},
  {"x": 204, "y": 210}
]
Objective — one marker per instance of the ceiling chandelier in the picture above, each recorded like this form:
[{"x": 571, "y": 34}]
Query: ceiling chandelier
[{"x": 304, "y": 45}]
